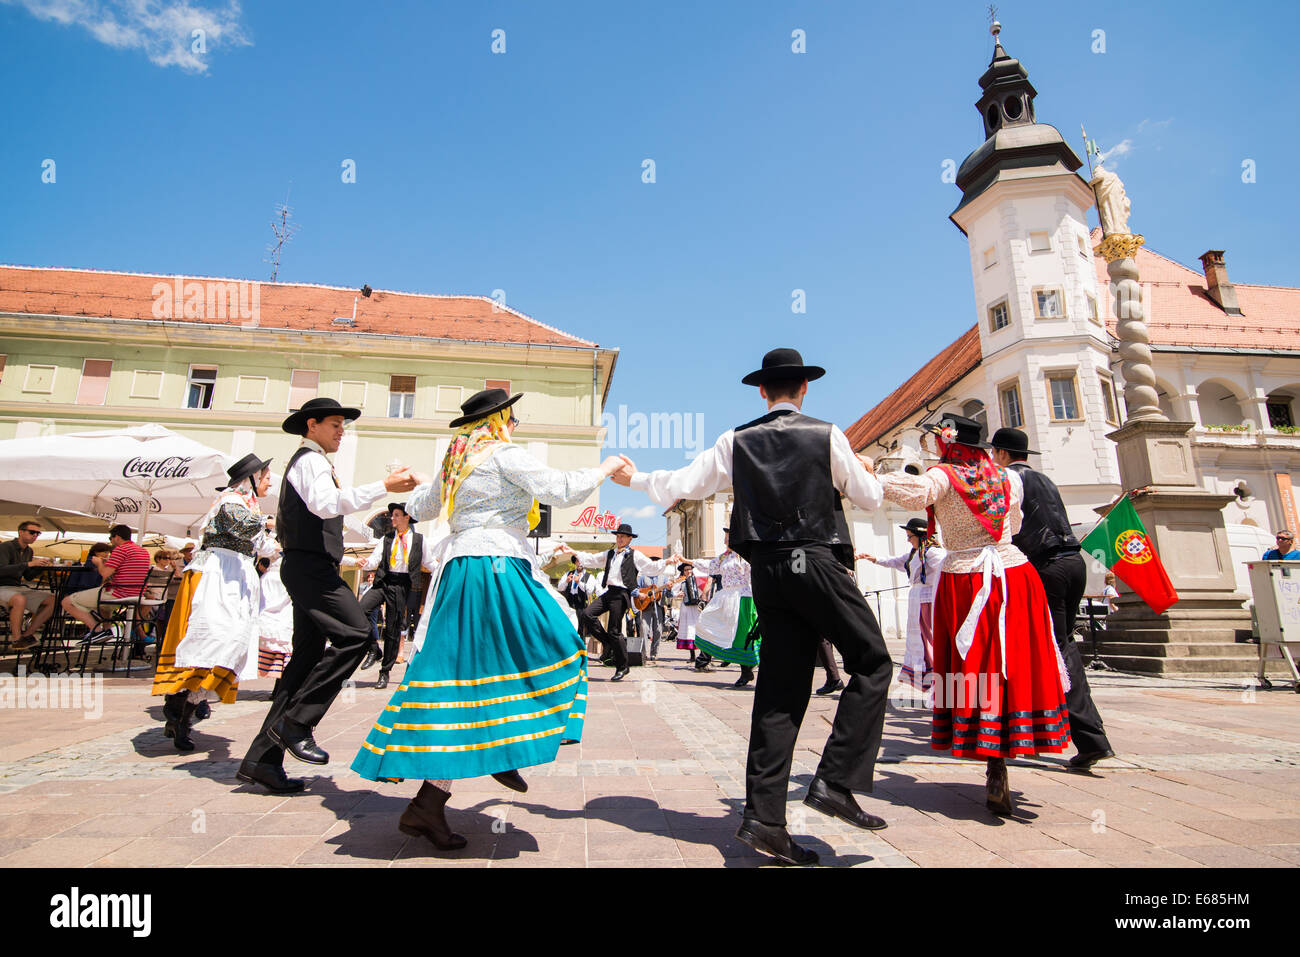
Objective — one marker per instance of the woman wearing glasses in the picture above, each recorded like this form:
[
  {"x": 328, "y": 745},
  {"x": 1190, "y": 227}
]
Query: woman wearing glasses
[{"x": 499, "y": 678}]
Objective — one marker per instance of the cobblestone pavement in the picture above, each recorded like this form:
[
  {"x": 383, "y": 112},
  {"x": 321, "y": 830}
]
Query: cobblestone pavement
[{"x": 1207, "y": 774}]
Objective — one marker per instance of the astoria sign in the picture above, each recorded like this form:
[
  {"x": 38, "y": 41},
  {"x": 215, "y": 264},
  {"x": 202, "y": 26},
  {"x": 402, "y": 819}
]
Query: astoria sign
[
  {"x": 174, "y": 466},
  {"x": 590, "y": 519}
]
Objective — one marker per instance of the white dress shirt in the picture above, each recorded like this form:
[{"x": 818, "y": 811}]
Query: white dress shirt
[
  {"x": 399, "y": 557},
  {"x": 711, "y": 472},
  {"x": 312, "y": 477},
  {"x": 644, "y": 565}
]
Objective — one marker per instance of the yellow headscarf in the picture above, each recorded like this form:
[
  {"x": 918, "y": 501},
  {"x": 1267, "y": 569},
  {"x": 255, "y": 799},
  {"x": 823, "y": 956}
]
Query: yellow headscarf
[{"x": 469, "y": 447}]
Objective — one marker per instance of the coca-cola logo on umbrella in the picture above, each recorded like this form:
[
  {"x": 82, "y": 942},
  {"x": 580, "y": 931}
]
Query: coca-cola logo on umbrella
[
  {"x": 123, "y": 505},
  {"x": 174, "y": 466}
]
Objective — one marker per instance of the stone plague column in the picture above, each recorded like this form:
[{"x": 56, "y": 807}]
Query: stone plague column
[{"x": 1199, "y": 634}]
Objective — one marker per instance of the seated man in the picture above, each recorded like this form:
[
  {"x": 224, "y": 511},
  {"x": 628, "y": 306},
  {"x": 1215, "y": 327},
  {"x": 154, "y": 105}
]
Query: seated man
[
  {"x": 126, "y": 568},
  {"x": 1285, "y": 551},
  {"x": 17, "y": 564}
]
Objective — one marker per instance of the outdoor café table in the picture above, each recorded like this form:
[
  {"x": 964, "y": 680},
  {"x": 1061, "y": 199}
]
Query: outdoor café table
[{"x": 54, "y": 578}]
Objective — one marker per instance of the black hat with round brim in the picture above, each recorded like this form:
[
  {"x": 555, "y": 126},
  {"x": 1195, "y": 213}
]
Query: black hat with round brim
[
  {"x": 917, "y": 526},
  {"x": 482, "y": 404},
  {"x": 246, "y": 467},
  {"x": 1012, "y": 440},
  {"x": 625, "y": 529},
  {"x": 968, "y": 430},
  {"x": 783, "y": 364},
  {"x": 318, "y": 408}
]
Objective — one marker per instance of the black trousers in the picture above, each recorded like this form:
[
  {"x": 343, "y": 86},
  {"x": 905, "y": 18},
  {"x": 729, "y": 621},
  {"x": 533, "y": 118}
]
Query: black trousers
[
  {"x": 826, "y": 658},
  {"x": 615, "y": 602},
  {"x": 802, "y": 595},
  {"x": 330, "y": 635},
  {"x": 394, "y": 594},
  {"x": 1064, "y": 579}
]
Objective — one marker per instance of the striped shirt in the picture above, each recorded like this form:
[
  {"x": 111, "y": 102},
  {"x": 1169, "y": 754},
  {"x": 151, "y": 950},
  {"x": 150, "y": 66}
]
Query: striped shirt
[{"x": 132, "y": 563}]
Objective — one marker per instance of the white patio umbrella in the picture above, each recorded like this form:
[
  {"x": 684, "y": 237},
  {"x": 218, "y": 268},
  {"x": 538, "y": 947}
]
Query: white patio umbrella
[{"x": 144, "y": 475}]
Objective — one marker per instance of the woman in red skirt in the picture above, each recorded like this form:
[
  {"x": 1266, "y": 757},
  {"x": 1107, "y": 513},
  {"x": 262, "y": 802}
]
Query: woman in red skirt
[{"x": 997, "y": 673}]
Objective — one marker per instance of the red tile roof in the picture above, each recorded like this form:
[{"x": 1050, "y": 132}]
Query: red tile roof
[
  {"x": 933, "y": 379},
  {"x": 116, "y": 295},
  {"x": 1180, "y": 311}
]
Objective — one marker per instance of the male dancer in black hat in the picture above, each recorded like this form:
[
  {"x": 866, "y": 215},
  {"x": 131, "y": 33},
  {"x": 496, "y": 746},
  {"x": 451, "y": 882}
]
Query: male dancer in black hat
[
  {"x": 394, "y": 561},
  {"x": 1050, "y": 545},
  {"x": 788, "y": 471},
  {"x": 622, "y": 565},
  {"x": 325, "y": 611}
]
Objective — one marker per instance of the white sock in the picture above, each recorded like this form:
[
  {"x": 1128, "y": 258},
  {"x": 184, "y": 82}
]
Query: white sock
[{"x": 442, "y": 785}]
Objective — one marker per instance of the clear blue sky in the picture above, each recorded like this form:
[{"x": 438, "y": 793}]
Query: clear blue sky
[{"x": 523, "y": 171}]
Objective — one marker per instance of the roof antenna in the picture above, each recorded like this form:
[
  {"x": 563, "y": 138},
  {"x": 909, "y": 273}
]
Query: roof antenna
[{"x": 284, "y": 231}]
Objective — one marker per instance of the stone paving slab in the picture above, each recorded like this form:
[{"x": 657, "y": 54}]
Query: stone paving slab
[{"x": 1206, "y": 775}]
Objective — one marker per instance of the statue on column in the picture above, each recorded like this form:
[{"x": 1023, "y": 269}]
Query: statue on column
[{"x": 1113, "y": 206}]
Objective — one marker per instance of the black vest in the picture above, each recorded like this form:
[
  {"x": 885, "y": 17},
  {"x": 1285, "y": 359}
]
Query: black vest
[
  {"x": 629, "y": 569},
  {"x": 781, "y": 474},
  {"x": 298, "y": 528},
  {"x": 1044, "y": 527},
  {"x": 414, "y": 559}
]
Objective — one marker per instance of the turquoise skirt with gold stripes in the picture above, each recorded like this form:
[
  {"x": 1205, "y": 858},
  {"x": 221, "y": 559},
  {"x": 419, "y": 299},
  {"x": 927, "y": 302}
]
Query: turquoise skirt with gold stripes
[{"x": 499, "y": 683}]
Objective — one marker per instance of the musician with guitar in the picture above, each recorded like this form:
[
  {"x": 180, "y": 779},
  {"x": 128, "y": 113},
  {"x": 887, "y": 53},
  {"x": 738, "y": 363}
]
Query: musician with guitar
[{"x": 622, "y": 564}]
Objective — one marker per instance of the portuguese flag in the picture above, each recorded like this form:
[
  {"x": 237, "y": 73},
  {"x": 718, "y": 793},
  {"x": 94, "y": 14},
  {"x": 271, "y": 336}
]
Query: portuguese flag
[{"x": 1120, "y": 543}]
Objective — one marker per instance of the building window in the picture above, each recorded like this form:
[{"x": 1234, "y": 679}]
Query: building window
[
  {"x": 401, "y": 397},
  {"x": 146, "y": 384},
  {"x": 998, "y": 316},
  {"x": 94, "y": 381},
  {"x": 1092, "y": 308},
  {"x": 1108, "y": 400},
  {"x": 497, "y": 384},
  {"x": 1009, "y": 399},
  {"x": 1083, "y": 245},
  {"x": 39, "y": 379},
  {"x": 1040, "y": 242},
  {"x": 990, "y": 256},
  {"x": 251, "y": 389},
  {"x": 1279, "y": 412},
  {"x": 1047, "y": 303},
  {"x": 201, "y": 383},
  {"x": 1063, "y": 396},
  {"x": 304, "y": 384}
]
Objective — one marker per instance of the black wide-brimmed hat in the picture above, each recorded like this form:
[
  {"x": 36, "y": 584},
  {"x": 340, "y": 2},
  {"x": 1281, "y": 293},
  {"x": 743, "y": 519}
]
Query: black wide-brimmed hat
[
  {"x": 249, "y": 465},
  {"x": 917, "y": 526},
  {"x": 625, "y": 529},
  {"x": 1013, "y": 441},
  {"x": 783, "y": 364},
  {"x": 393, "y": 505},
  {"x": 482, "y": 404},
  {"x": 968, "y": 430},
  {"x": 318, "y": 408}
]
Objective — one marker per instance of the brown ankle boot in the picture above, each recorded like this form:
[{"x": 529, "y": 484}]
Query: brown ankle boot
[
  {"x": 424, "y": 817},
  {"x": 998, "y": 791}
]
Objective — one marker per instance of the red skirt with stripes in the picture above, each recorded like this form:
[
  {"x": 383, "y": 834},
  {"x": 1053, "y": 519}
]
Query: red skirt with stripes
[{"x": 978, "y": 713}]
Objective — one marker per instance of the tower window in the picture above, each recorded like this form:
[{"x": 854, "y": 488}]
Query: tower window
[
  {"x": 1047, "y": 303},
  {"x": 1063, "y": 396},
  {"x": 1040, "y": 242},
  {"x": 990, "y": 256},
  {"x": 993, "y": 117},
  {"x": 1108, "y": 400},
  {"x": 1013, "y": 107},
  {"x": 1009, "y": 399},
  {"x": 998, "y": 317}
]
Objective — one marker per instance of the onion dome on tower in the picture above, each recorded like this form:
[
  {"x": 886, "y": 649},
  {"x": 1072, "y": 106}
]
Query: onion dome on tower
[{"x": 1016, "y": 146}]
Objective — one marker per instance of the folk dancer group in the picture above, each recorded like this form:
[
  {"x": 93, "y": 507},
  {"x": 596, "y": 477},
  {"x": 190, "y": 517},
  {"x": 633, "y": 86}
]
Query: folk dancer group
[{"x": 498, "y": 679}]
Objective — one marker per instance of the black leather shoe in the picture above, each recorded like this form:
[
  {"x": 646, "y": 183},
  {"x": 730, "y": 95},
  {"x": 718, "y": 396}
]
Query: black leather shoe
[
  {"x": 839, "y": 802},
  {"x": 775, "y": 841},
  {"x": 204, "y": 710},
  {"x": 620, "y": 674},
  {"x": 298, "y": 743},
  {"x": 511, "y": 779},
  {"x": 1086, "y": 759},
  {"x": 383, "y": 680},
  {"x": 743, "y": 680},
  {"x": 831, "y": 687},
  {"x": 270, "y": 776},
  {"x": 372, "y": 655}
]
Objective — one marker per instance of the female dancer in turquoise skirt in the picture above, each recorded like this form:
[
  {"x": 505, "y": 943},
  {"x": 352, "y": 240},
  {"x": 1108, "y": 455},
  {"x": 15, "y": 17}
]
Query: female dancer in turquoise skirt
[{"x": 499, "y": 676}]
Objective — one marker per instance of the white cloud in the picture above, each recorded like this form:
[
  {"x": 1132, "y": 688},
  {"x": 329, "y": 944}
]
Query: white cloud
[
  {"x": 162, "y": 29},
  {"x": 647, "y": 511},
  {"x": 1122, "y": 148}
]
